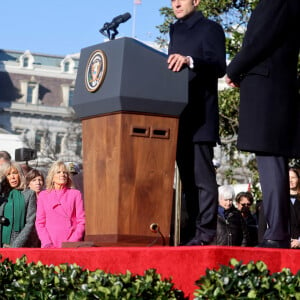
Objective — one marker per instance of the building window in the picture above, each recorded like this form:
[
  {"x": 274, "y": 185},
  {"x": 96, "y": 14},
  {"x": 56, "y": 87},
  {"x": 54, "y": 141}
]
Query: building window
[
  {"x": 30, "y": 92},
  {"x": 67, "y": 67},
  {"x": 71, "y": 94},
  {"x": 38, "y": 140},
  {"x": 67, "y": 94},
  {"x": 58, "y": 142},
  {"x": 79, "y": 147},
  {"x": 25, "y": 62}
]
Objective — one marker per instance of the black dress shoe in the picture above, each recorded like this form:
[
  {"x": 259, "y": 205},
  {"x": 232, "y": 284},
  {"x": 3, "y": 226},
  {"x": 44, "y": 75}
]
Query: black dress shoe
[
  {"x": 196, "y": 242},
  {"x": 275, "y": 244}
]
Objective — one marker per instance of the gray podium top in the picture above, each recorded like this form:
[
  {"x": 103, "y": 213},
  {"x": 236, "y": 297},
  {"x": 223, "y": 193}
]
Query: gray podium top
[{"x": 137, "y": 79}]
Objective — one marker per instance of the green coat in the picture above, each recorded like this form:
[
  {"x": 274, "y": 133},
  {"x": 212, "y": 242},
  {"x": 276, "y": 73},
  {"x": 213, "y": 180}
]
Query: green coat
[{"x": 27, "y": 236}]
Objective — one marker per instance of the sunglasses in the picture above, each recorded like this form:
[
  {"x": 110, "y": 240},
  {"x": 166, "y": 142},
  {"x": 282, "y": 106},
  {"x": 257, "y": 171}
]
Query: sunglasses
[{"x": 245, "y": 204}]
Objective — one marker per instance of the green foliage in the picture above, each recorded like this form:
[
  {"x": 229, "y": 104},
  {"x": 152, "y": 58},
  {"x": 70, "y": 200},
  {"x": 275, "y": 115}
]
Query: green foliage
[
  {"x": 69, "y": 281},
  {"x": 248, "y": 281},
  {"x": 228, "y": 110},
  {"x": 169, "y": 17},
  {"x": 32, "y": 281}
]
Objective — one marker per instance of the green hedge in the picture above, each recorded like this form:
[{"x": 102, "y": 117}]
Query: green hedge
[
  {"x": 22, "y": 280},
  {"x": 248, "y": 281},
  {"x": 69, "y": 281}
]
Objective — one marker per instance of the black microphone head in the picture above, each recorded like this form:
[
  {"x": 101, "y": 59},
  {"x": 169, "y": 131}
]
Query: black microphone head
[
  {"x": 154, "y": 227},
  {"x": 126, "y": 16},
  {"x": 121, "y": 18}
]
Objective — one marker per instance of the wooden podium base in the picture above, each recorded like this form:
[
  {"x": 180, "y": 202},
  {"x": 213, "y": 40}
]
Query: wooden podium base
[{"x": 129, "y": 163}]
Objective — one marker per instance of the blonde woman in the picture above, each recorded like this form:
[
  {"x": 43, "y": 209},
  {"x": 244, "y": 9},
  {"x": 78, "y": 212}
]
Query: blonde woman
[
  {"x": 17, "y": 208},
  {"x": 60, "y": 211}
]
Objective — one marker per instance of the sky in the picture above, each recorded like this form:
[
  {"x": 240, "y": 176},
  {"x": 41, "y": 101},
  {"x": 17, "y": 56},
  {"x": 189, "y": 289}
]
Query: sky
[{"x": 61, "y": 27}]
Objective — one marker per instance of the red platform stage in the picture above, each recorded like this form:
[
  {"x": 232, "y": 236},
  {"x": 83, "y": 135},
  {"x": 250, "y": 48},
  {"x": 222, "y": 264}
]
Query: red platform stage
[{"x": 184, "y": 264}]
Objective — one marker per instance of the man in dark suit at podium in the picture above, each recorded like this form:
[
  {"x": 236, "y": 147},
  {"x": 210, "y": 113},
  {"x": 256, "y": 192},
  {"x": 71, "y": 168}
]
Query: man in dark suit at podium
[
  {"x": 199, "y": 44},
  {"x": 269, "y": 114}
]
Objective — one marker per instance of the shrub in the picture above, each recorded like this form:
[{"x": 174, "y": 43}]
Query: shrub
[
  {"x": 69, "y": 281},
  {"x": 248, "y": 281}
]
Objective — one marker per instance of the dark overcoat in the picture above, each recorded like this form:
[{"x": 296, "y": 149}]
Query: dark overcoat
[
  {"x": 204, "y": 41},
  {"x": 295, "y": 219},
  {"x": 266, "y": 68},
  {"x": 231, "y": 229}
]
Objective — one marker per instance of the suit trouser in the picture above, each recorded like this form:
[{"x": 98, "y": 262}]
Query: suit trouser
[
  {"x": 200, "y": 190},
  {"x": 274, "y": 180}
]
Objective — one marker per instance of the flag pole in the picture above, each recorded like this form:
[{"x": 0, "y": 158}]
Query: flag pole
[
  {"x": 133, "y": 20},
  {"x": 135, "y": 4}
]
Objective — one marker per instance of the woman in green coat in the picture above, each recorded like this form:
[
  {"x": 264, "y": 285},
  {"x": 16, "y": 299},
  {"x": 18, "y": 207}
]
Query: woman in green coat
[{"x": 17, "y": 209}]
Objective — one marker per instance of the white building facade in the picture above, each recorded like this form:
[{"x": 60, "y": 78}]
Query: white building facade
[{"x": 36, "y": 93}]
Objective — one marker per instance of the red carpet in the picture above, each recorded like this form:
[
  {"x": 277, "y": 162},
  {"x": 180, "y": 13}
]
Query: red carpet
[{"x": 184, "y": 264}]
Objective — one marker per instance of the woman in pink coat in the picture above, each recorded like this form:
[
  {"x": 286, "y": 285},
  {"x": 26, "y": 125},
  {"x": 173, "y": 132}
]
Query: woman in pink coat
[{"x": 60, "y": 213}]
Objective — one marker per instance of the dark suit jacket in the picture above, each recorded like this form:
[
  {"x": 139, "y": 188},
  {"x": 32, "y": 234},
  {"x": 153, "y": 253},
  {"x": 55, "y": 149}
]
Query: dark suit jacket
[
  {"x": 266, "y": 68},
  {"x": 204, "y": 41},
  {"x": 295, "y": 219}
]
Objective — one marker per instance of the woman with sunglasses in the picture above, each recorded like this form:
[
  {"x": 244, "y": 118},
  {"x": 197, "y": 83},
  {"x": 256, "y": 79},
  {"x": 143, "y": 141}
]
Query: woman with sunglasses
[{"x": 244, "y": 201}]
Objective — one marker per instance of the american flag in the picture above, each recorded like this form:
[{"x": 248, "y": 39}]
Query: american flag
[{"x": 137, "y": 2}]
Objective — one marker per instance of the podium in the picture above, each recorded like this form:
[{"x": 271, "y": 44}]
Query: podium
[{"x": 129, "y": 104}]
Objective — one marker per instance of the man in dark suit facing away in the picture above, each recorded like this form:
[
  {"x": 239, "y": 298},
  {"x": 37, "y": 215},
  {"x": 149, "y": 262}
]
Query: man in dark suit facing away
[
  {"x": 198, "y": 44},
  {"x": 269, "y": 118}
]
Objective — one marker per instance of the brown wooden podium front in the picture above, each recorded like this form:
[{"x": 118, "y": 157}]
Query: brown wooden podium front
[{"x": 129, "y": 139}]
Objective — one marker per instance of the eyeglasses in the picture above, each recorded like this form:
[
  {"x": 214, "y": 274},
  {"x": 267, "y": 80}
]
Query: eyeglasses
[{"x": 245, "y": 204}]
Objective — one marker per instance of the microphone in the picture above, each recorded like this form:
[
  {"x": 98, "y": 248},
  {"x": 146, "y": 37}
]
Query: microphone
[
  {"x": 154, "y": 227},
  {"x": 118, "y": 20},
  {"x": 113, "y": 25}
]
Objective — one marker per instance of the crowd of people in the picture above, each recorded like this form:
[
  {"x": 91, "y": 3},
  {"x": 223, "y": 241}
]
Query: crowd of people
[
  {"x": 241, "y": 223},
  {"x": 39, "y": 212}
]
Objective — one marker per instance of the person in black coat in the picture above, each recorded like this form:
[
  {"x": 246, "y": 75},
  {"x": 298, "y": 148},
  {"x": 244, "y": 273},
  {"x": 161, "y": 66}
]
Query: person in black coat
[
  {"x": 294, "y": 176},
  {"x": 198, "y": 44},
  {"x": 269, "y": 124},
  {"x": 231, "y": 227},
  {"x": 244, "y": 201}
]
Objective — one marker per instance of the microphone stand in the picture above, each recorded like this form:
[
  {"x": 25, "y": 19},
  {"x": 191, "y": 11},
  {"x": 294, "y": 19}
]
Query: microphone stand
[
  {"x": 114, "y": 33},
  {"x": 154, "y": 227},
  {"x": 106, "y": 31}
]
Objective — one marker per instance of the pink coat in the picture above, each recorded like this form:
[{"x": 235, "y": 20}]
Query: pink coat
[{"x": 60, "y": 217}]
